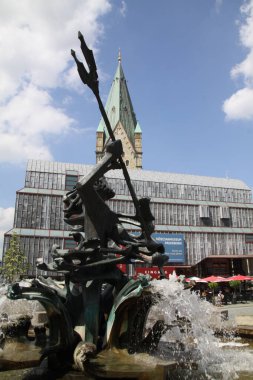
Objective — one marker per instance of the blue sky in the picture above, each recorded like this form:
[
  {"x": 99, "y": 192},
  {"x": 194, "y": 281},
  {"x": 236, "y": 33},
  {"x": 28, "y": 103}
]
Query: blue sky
[{"x": 189, "y": 67}]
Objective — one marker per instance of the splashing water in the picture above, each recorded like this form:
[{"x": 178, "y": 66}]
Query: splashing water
[
  {"x": 190, "y": 338},
  {"x": 12, "y": 308}
]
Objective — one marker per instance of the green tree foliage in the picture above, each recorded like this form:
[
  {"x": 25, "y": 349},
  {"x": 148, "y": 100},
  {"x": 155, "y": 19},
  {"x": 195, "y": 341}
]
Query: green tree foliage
[
  {"x": 14, "y": 261},
  {"x": 235, "y": 284},
  {"x": 213, "y": 286}
]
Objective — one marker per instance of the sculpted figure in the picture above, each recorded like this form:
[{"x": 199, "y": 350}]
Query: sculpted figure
[{"x": 82, "y": 316}]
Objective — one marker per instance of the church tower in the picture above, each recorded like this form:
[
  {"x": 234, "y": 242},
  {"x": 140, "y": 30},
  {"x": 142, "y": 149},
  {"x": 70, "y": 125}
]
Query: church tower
[{"x": 125, "y": 127}]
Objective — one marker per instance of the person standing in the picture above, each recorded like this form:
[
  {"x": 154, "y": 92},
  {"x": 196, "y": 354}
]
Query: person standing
[{"x": 220, "y": 298}]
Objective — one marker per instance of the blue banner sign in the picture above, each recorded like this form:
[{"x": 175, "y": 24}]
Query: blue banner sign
[{"x": 174, "y": 246}]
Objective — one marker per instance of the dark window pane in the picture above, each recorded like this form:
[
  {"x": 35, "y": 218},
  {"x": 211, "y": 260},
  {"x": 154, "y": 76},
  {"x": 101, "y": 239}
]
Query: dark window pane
[
  {"x": 70, "y": 181},
  {"x": 69, "y": 243}
]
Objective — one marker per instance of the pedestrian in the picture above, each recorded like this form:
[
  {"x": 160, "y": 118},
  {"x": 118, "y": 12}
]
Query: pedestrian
[{"x": 220, "y": 298}]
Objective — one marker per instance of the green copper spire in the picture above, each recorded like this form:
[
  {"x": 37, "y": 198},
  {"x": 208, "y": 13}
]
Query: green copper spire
[
  {"x": 138, "y": 128},
  {"x": 119, "y": 107}
]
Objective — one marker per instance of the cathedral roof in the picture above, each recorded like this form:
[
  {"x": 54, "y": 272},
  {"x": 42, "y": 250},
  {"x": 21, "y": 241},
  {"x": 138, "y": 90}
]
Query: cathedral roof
[{"x": 119, "y": 106}]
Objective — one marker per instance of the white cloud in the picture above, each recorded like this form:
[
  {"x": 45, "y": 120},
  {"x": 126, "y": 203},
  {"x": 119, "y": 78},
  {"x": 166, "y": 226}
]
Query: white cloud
[
  {"x": 35, "y": 42},
  {"x": 36, "y": 38},
  {"x": 25, "y": 121},
  {"x": 71, "y": 80},
  {"x": 239, "y": 105},
  {"x": 6, "y": 223},
  {"x": 245, "y": 68}
]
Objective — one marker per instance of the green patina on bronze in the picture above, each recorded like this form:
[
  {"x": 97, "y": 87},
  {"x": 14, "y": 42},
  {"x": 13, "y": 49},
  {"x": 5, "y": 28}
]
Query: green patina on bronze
[{"x": 100, "y": 309}]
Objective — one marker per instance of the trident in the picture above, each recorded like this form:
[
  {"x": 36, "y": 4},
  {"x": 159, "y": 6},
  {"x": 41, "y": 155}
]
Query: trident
[{"x": 91, "y": 80}]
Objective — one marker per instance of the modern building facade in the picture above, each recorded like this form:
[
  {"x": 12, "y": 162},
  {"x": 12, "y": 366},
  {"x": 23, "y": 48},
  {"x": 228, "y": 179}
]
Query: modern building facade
[
  {"x": 213, "y": 216},
  {"x": 205, "y": 223}
]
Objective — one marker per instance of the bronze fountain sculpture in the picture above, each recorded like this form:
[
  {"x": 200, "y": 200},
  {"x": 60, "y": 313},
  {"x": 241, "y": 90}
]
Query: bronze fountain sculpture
[{"x": 100, "y": 309}]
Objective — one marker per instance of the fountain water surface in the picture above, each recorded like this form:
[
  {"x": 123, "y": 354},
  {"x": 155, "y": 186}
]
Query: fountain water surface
[{"x": 190, "y": 339}]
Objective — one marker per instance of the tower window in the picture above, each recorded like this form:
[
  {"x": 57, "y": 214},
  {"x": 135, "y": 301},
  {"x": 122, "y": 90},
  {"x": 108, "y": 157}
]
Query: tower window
[{"x": 127, "y": 162}]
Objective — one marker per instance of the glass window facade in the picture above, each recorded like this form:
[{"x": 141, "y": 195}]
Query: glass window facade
[
  {"x": 184, "y": 192},
  {"x": 70, "y": 181},
  {"x": 39, "y": 211},
  {"x": 188, "y": 215},
  {"x": 44, "y": 180},
  {"x": 194, "y": 210}
]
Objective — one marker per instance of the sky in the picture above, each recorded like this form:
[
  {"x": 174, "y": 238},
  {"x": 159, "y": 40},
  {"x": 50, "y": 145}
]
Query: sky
[{"x": 189, "y": 70}]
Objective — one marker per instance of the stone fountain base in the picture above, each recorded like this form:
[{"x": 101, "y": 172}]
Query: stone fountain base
[{"x": 244, "y": 325}]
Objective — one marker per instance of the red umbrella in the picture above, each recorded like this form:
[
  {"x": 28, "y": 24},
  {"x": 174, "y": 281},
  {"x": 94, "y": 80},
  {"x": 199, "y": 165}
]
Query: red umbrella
[
  {"x": 214, "y": 279},
  {"x": 240, "y": 277}
]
